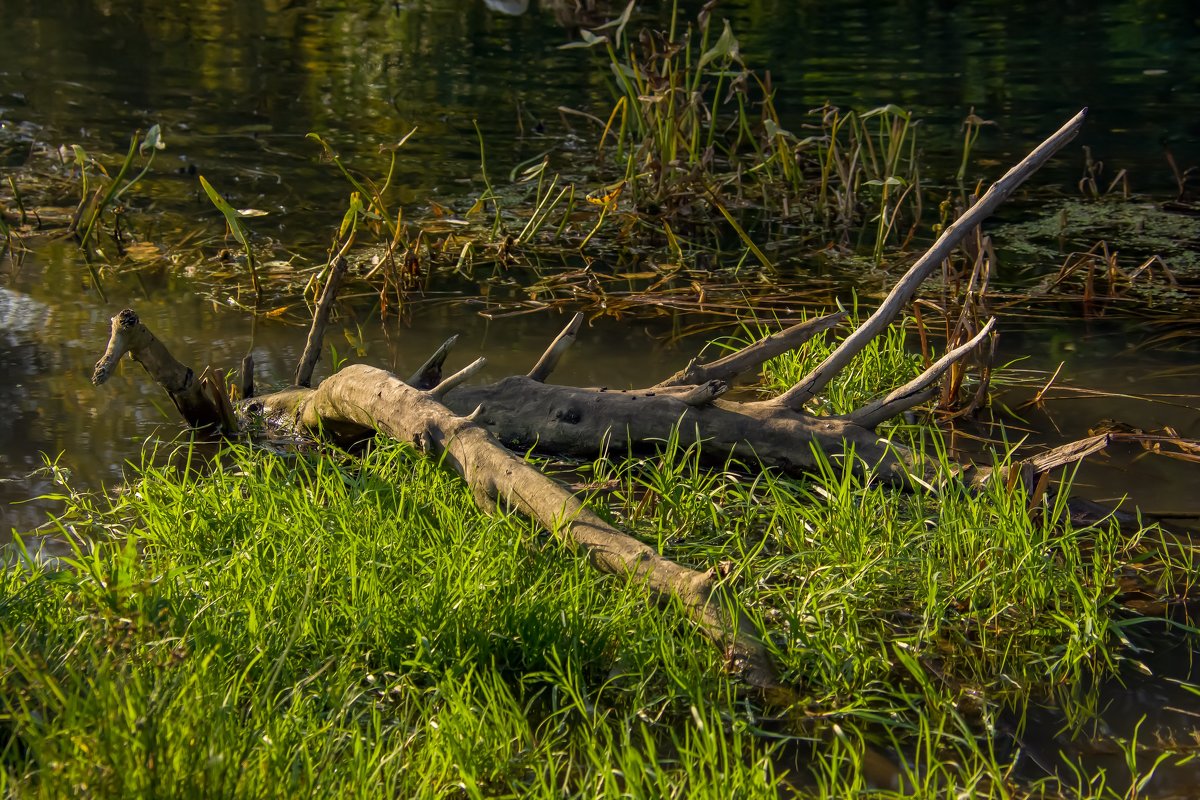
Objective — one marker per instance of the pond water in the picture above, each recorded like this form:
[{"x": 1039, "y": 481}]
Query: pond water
[{"x": 237, "y": 85}]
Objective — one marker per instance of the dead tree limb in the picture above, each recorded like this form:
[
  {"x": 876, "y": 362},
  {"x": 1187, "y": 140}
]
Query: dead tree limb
[
  {"x": 808, "y": 387},
  {"x": 429, "y": 374},
  {"x": 198, "y": 406},
  {"x": 917, "y": 390},
  {"x": 752, "y": 357},
  {"x": 468, "y": 426},
  {"x": 496, "y": 475},
  {"x": 549, "y": 360},
  {"x": 316, "y": 333}
]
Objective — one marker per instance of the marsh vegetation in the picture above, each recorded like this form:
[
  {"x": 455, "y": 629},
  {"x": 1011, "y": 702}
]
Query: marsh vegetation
[{"x": 237, "y": 621}]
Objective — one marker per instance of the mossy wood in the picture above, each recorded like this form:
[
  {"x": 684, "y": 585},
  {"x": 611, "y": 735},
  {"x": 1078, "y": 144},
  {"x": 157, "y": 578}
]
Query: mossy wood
[{"x": 472, "y": 427}]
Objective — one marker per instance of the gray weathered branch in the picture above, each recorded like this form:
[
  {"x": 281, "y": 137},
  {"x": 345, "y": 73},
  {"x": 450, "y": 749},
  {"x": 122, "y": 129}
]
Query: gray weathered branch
[
  {"x": 915, "y": 391},
  {"x": 429, "y": 374},
  {"x": 752, "y": 356},
  {"x": 807, "y": 388},
  {"x": 549, "y": 360},
  {"x": 316, "y": 333}
]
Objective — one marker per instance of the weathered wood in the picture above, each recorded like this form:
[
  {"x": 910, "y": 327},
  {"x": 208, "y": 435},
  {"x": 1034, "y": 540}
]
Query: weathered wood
[
  {"x": 808, "y": 387},
  {"x": 129, "y": 335},
  {"x": 549, "y": 360},
  {"x": 752, "y": 357},
  {"x": 917, "y": 390},
  {"x": 572, "y": 421},
  {"x": 316, "y": 333},
  {"x": 376, "y": 400}
]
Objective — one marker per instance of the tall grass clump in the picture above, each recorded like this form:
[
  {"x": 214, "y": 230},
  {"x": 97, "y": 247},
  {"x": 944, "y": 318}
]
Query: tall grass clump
[
  {"x": 99, "y": 192},
  {"x": 313, "y": 627},
  {"x": 695, "y": 127}
]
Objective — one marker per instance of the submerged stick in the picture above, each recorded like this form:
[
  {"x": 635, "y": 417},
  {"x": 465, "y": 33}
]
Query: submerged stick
[
  {"x": 246, "y": 377},
  {"x": 316, "y": 333},
  {"x": 807, "y": 388}
]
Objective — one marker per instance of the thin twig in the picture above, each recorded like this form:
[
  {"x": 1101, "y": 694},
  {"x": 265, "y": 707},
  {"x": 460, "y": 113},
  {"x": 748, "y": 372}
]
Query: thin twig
[{"x": 312, "y": 347}]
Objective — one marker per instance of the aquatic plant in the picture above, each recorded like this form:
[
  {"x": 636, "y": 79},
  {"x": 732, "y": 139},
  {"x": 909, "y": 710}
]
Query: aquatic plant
[
  {"x": 239, "y": 232},
  {"x": 93, "y": 203}
]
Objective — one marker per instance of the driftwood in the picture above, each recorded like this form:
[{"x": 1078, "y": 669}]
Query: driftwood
[{"x": 472, "y": 427}]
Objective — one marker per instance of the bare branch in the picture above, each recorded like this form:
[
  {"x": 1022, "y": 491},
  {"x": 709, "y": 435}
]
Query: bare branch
[
  {"x": 312, "y": 347},
  {"x": 430, "y": 373},
  {"x": 463, "y": 374},
  {"x": 752, "y": 356},
  {"x": 903, "y": 291},
  {"x": 129, "y": 335},
  {"x": 915, "y": 391},
  {"x": 705, "y": 393},
  {"x": 549, "y": 360}
]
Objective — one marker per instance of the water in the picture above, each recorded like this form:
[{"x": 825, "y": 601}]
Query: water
[{"x": 236, "y": 85}]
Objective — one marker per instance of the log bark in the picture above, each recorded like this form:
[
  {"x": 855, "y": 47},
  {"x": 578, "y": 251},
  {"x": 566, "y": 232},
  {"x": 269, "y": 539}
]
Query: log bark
[
  {"x": 370, "y": 399},
  {"x": 574, "y": 422}
]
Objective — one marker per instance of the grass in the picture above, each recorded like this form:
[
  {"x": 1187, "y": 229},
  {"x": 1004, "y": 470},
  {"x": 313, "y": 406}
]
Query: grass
[{"x": 326, "y": 626}]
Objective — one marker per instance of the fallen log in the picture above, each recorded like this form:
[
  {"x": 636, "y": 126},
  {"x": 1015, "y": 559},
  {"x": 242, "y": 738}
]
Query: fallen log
[
  {"x": 469, "y": 426},
  {"x": 496, "y": 477}
]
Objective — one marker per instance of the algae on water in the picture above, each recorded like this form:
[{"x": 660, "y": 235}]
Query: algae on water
[{"x": 1135, "y": 228}]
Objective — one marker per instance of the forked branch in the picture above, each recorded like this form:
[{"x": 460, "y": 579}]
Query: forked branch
[
  {"x": 808, "y": 387},
  {"x": 916, "y": 391}
]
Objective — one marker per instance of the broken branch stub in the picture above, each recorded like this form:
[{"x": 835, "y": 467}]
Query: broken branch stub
[
  {"x": 193, "y": 398},
  {"x": 549, "y": 360}
]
